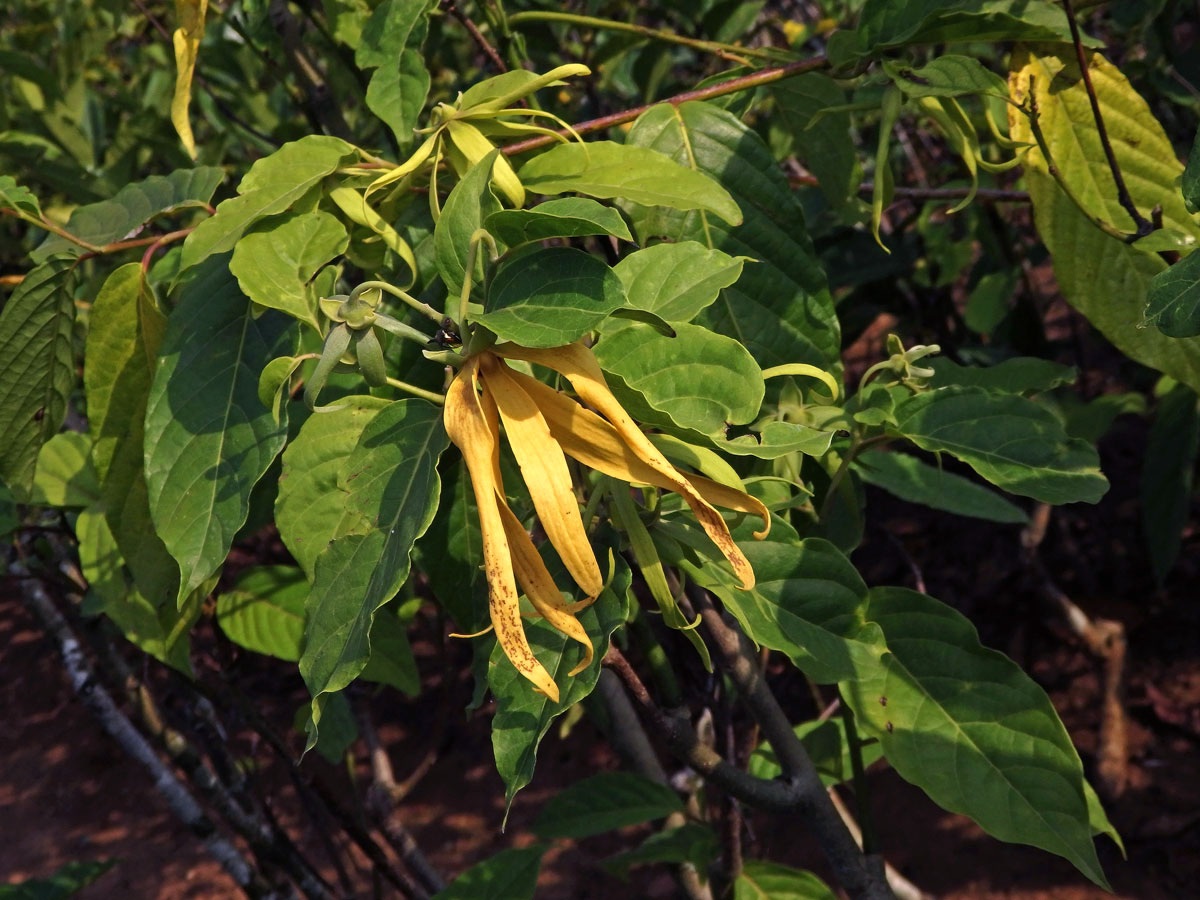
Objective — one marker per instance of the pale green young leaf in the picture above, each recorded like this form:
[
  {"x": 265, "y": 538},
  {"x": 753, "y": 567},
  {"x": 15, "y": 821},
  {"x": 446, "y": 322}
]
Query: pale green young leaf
[
  {"x": 605, "y": 802},
  {"x": 263, "y": 610},
  {"x": 918, "y": 482},
  {"x": 780, "y": 308},
  {"x": 677, "y": 281},
  {"x": 509, "y": 875},
  {"x": 760, "y": 880},
  {"x": 390, "y": 485},
  {"x": 639, "y": 174},
  {"x": 972, "y": 730},
  {"x": 1167, "y": 476},
  {"x": 1016, "y": 444},
  {"x": 551, "y": 297},
  {"x": 566, "y": 217},
  {"x": 208, "y": 439},
  {"x": 275, "y": 265},
  {"x": 37, "y": 368}
]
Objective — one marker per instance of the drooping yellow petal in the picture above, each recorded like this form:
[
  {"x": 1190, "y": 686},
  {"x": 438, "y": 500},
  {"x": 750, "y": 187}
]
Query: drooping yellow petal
[
  {"x": 410, "y": 165},
  {"x": 474, "y": 147},
  {"x": 186, "y": 41},
  {"x": 467, "y": 426},
  {"x": 545, "y": 471},
  {"x": 577, "y": 364}
]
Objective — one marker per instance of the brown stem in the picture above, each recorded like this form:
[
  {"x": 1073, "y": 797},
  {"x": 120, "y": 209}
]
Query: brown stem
[
  {"x": 1144, "y": 225},
  {"x": 476, "y": 35},
  {"x": 741, "y": 83}
]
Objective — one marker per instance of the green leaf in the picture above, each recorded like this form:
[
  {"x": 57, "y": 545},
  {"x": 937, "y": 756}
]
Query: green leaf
[
  {"x": 309, "y": 508},
  {"x": 603, "y": 803},
  {"x": 125, "y": 330},
  {"x": 809, "y": 603},
  {"x": 917, "y": 482},
  {"x": 132, "y": 207},
  {"x": 271, "y": 186},
  {"x": 568, "y": 217},
  {"x": 10, "y": 519},
  {"x": 522, "y": 716},
  {"x": 780, "y": 308},
  {"x": 1173, "y": 299},
  {"x": 469, "y": 204},
  {"x": 551, "y": 297},
  {"x": 774, "y": 439},
  {"x": 37, "y": 368},
  {"x": 263, "y": 610},
  {"x": 69, "y": 880},
  {"x": 451, "y": 553},
  {"x": 1014, "y": 443},
  {"x": 276, "y": 265},
  {"x": 690, "y": 843},
  {"x": 606, "y": 169},
  {"x": 338, "y": 732},
  {"x": 825, "y": 741},
  {"x": 945, "y": 76},
  {"x": 1104, "y": 278},
  {"x": 391, "y": 44},
  {"x": 65, "y": 475},
  {"x": 208, "y": 438},
  {"x": 391, "y": 487},
  {"x": 509, "y": 875},
  {"x": 826, "y": 145},
  {"x": 1167, "y": 473},
  {"x": 987, "y": 305},
  {"x": 677, "y": 281},
  {"x": 14, "y": 196},
  {"x": 1190, "y": 181},
  {"x": 699, "y": 379},
  {"x": 1021, "y": 375},
  {"x": 972, "y": 730},
  {"x": 761, "y": 880}
]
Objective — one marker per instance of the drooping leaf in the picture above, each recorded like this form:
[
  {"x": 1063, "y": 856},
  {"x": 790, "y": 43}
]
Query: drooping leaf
[
  {"x": 632, "y": 172},
  {"x": 509, "y": 875},
  {"x": 391, "y": 661},
  {"x": 677, "y": 281},
  {"x": 208, "y": 438},
  {"x": 567, "y": 217},
  {"x": 263, "y": 610},
  {"x": 918, "y": 482},
  {"x": 464, "y": 212},
  {"x": 186, "y": 40},
  {"x": 699, "y": 379},
  {"x": 338, "y": 732},
  {"x": 951, "y": 75},
  {"x": 1167, "y": 473},
  {"x": 689, "y": 843},
  {"x": 1013, "y": 442},
  {"x": 603, "y": 803},
  {"x": 809, "y": 603},
  {"x": 1173, "y": 299},
  {"x": 760, "y": 880},
  {"x": 271, "y": 186},
  {"x": 391, "y": 487},
  {"x": 780, "y": 308},
  {"x": 309, "y": 508},
  {"x": 1022, "y": 375},
  {"x": 132, "y": 207},
  {"x": 1104, "y": 278},
  {"x": 275, "y": 266},
  {"x": 522, "y": 716},
  {"x": 825, "y": 741},
  {"x": 37, "y": 368},
  {"x": 551, "y": 297},
  {"x": 64, "y": 475},
  {"x": 124, "y": 333},
  {"x": 972, "y": 730}
]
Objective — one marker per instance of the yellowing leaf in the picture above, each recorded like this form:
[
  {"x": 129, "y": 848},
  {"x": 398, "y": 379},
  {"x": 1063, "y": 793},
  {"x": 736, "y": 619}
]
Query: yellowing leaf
[{"x": 187, "y": 47}]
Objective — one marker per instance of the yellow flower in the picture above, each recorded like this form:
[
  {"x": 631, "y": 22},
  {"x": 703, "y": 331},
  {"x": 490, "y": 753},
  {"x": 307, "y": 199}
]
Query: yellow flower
[{"x": 544, "y": 426}]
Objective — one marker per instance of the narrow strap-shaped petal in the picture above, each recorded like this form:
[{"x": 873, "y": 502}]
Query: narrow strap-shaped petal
[
  {"x": 467, "y": 426},
  {"x": 577, "y": 364},
  {"x": 469, "y": 141},
  {"x": 545, "y": 471},
  {"x": 585, "y": 436}
]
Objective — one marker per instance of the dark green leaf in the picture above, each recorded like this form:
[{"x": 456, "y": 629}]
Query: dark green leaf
[
  {"x": 780, "y": 308},
  {"x": 690, "y": 843},
  {"x": 603, "y": 803},
  {"x": 391, "y": 488},
  {"x": 1173, "y": 301},
  {"x": 133, "y": 207},
  {"x": 987, "y": 305},
  {"x": 272, "y": 185},
  {"x": 972, "y": 730},
  {"x": 826, "y": 147},
  {"x": 451, "y": 553},
  {"x": 464, "y": 212},
  {"x": 760, "y": 880},
  {"x": 606, "y": 169},
  {"x": 66, "y": 882},
  {"x": 677, "y": 281},
  {"x": 338, "y": 729},
  {"x": 208, "y": 438},
  {"x": 1022, "y": 375},
  {"x": 1191, "y": 178},
  {"x": 917, "y": 482},
  {"x": 551, "y": 297},
  {"x": 37, "y": 368},
  {"x": 945, "y": 76},
  {"x": 509, "y": 875},
  {"x": 568, "y": 217},
  {"x": 391, "y": 45},
  {"x": 1013, "y": 442},
  {"x": 391, "y": 660},
  {"x": 1167, "y": 472}
]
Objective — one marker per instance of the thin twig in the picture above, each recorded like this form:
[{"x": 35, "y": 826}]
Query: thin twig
[{"x": 476, "y": 35}]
